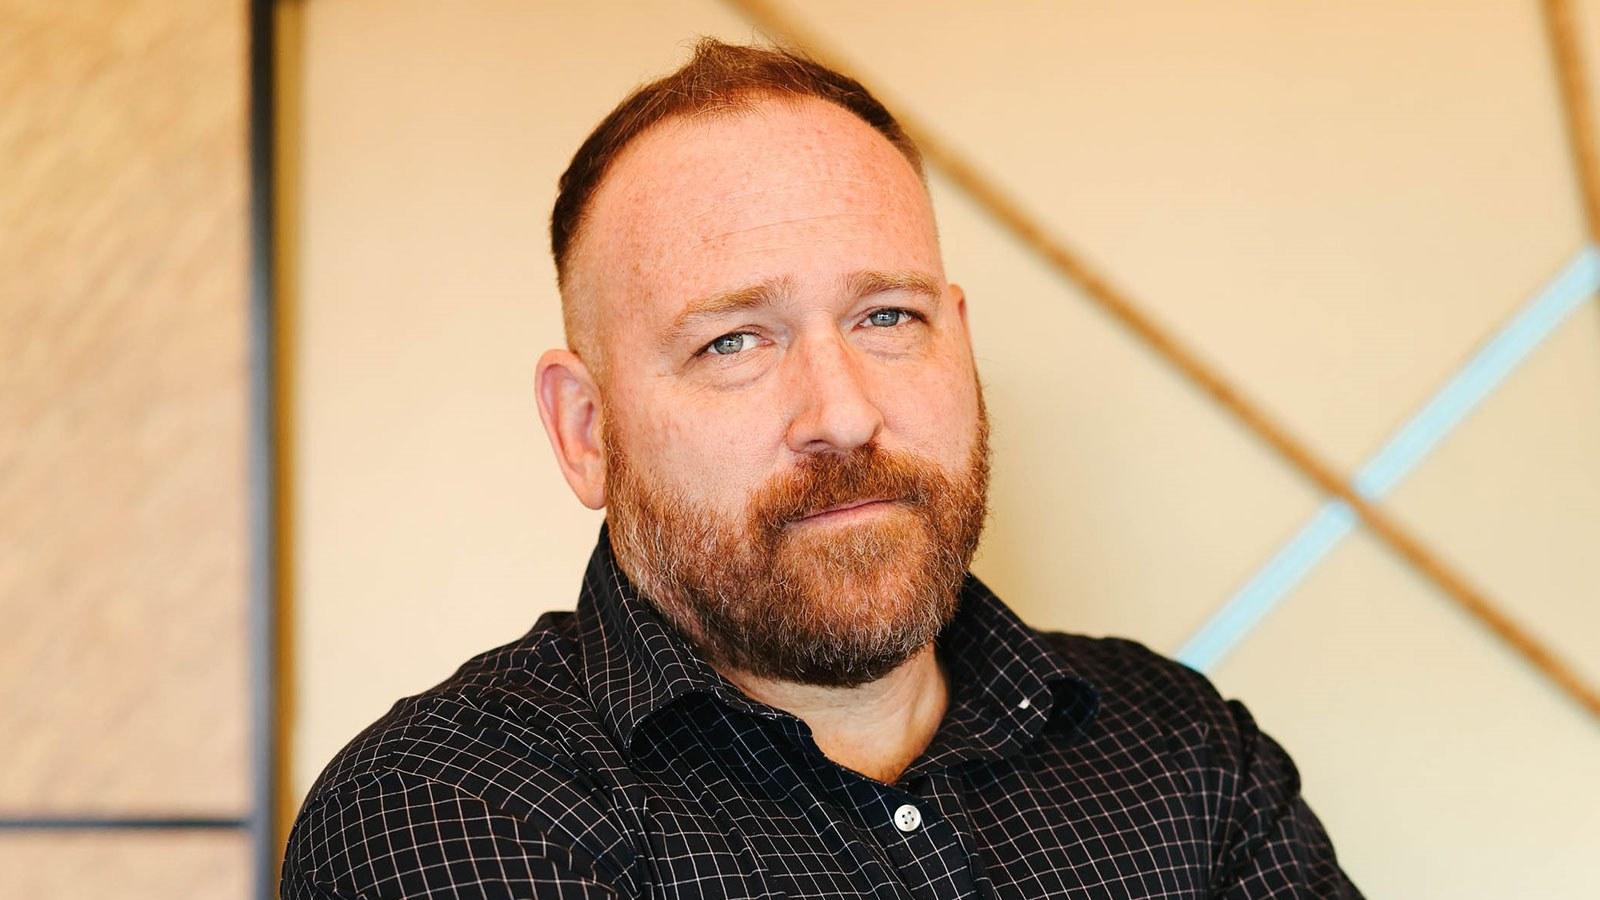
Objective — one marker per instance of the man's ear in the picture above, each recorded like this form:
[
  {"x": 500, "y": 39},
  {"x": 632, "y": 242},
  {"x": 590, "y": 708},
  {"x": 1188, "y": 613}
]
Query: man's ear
[
  {"x": 569, "y": 406},
  {"x": 959, "y": 298}
]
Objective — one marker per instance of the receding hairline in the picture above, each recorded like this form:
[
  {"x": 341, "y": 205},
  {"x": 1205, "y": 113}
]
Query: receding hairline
[
  {"x": 745, "y": 102},
  {"x": 718, "y": 78}
]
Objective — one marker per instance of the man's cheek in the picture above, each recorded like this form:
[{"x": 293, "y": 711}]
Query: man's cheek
[
  {"x": 702, "y": 457},
  {"x": 933, "y": 402}
]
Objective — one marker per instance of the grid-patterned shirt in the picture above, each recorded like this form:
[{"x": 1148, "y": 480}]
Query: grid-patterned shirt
[{"x": 601, "y": 756}]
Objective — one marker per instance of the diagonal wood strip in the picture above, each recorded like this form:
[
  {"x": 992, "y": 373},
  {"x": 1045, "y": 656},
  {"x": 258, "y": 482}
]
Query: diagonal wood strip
[
  {"x": 1575, "y": 107},
  {"x": 1073, "y": 267}
]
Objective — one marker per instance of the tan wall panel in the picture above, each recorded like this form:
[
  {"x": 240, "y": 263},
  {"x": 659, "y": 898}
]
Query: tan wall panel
[
  {"x": 1512, "y": 499},
  {"x": 122, "y": 407},
  {"x": 124, "y": 866},
  {"x": 1441, "y": 765}
]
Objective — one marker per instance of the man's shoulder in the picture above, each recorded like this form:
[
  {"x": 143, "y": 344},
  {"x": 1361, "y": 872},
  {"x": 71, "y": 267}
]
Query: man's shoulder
[
  {"x": 1238, "y": 775},
  {"x": 506, "y": 717},
  {"x": 1137, "y": 684},
  {"x": 509, "y": 750}
]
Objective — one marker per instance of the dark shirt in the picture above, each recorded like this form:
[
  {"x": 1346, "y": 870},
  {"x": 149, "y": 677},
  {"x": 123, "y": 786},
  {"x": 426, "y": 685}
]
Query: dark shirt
[{"x": 600, "y": 756}]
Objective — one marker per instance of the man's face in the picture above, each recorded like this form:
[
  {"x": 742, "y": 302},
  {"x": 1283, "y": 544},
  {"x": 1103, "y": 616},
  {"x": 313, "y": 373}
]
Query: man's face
[{"x": 795, "y": 445}]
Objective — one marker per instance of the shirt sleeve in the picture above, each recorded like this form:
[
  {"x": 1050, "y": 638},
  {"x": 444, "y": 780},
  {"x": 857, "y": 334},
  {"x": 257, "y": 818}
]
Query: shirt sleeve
[
  {"x": 1274, "y": 844},
  {"x": 401, "y": 835}
]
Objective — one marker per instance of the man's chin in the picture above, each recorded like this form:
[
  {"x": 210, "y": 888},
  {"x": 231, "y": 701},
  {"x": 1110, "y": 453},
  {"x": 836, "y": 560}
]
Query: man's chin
[{"x": 861, "y": 582}]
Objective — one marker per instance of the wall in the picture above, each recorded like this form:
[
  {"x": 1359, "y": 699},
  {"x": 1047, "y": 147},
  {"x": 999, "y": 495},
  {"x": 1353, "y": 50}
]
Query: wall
[
  {"x": 1333, "y": 205},
  {"x": 123, "y": 399}
]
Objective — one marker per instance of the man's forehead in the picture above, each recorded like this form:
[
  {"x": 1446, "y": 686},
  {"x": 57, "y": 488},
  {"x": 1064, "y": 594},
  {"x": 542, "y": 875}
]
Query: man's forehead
[
  {"x": 698, "y": 172},
  {"x": 752, "y": 204}
]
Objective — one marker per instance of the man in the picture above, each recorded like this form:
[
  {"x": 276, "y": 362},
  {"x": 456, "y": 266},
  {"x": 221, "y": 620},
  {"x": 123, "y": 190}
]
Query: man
[{"x": 780, "y": 680}]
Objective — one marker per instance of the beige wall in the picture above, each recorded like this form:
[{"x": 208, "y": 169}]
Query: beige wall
[
  {"x": 1334, "y": 204},
  {"x": 123, "y": 399}
]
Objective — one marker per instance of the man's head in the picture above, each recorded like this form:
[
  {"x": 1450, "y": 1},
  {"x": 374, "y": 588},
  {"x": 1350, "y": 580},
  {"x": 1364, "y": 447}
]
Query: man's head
[{"x": 760, "y": 331}]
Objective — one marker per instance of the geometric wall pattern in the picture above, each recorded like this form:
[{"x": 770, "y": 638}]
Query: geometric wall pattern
[{"x": 1576, "y": 284}]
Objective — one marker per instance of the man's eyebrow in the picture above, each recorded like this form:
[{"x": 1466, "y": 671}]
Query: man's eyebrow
[
  {"x": 867, "y": 283},
  {"x": 737, "y": 300},
  {"x": 857, "y": 284}
]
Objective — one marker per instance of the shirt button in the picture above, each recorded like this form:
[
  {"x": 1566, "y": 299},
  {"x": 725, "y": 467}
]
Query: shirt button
[{"x": 907, "y": 818}]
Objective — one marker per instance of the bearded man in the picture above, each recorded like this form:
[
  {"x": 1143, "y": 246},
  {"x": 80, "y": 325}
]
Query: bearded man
[{"x": 780, "y": 679}]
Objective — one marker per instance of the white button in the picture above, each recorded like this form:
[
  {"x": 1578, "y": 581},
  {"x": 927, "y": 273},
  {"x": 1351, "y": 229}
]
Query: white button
[
  {"x": 1025, "y": 703},
  {"x": 906, "y": 818}
]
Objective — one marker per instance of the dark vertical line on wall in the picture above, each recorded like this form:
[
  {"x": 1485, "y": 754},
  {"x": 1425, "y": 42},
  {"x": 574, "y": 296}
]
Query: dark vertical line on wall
[{"x": 263, "y": 461}]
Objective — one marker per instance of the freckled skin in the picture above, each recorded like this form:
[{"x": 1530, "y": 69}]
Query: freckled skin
[{"x": 802, "y": 191}]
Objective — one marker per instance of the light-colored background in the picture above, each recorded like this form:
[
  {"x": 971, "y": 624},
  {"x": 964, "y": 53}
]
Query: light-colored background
[{"x": 1335, "y": 204}]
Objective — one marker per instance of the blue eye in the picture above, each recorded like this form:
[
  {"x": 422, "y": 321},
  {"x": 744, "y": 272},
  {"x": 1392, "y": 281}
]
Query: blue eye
[
  {"x": 887, "y": 318},
  {"x": 729, "y": 344}
]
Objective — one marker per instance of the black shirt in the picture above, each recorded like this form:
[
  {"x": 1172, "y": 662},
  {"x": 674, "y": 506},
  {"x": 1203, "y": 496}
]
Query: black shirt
[{"x": 600, "y": 756}]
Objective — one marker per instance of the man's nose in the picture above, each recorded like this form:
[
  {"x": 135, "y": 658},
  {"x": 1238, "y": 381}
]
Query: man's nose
[{"x": 832, "y": 408}]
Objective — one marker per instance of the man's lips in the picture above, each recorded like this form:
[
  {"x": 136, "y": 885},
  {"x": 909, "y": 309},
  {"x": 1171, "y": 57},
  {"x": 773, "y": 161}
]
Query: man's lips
[{"x": 833, "y": 511}]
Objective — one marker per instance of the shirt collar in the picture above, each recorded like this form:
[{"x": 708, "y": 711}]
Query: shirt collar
[
  {"x": 1007, "y": 683},
  {"x": 635, "y": 665}
]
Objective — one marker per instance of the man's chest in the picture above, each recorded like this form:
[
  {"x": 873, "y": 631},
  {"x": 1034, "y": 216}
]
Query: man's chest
[{"x": 736, "y": 816}]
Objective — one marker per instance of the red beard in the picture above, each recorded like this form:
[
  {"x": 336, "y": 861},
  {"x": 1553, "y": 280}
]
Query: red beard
[{"x": 827, "y": 603}]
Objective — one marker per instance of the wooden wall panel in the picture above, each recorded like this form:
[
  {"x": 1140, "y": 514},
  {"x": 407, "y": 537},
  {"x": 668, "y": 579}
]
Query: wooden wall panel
[
  {"x": 124, "y": 865},
  {"x": 123, "y": 396}
]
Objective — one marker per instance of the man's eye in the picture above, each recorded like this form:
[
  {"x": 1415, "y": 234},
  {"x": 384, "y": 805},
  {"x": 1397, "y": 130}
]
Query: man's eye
[
  {"x": 729, "y": 344},
  {"x": 887, "y": 318}
]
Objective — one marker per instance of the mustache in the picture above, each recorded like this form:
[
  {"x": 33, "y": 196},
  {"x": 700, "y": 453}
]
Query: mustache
[{"x": 823, "y": 482}]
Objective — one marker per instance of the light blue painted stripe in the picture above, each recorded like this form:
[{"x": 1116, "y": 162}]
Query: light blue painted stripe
[
  {"x": 1483, "y": 373},
  {"x": 1541, "y": 315},
  {"x": 1234, "y": 620}
]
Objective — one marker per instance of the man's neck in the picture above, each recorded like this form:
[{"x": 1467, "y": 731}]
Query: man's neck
[{"x": 877, "y": 728}]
